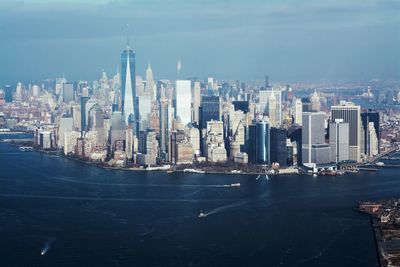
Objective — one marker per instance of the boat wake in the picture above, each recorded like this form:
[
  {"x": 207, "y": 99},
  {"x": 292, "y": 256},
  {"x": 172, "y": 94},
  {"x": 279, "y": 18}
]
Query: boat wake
[
  {"x": 222, "y": 208},
  {"x": 47, "y": 246}
]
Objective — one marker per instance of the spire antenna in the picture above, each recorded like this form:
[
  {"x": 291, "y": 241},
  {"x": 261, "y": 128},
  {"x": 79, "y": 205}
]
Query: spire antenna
[{"x": 127, "y": 37}]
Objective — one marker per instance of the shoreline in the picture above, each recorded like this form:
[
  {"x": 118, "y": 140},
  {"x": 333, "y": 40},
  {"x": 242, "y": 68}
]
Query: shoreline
[
  {"x": 377, "y": 236},
  {"x": 283, "y": 172}
]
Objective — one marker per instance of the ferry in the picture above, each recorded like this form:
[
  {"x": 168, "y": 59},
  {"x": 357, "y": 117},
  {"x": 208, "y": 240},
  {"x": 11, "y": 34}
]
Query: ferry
[
  {"x": 193, "y": 171},
  {"x": 235, "y": 185},
  {"x": 25, "y": 148}
]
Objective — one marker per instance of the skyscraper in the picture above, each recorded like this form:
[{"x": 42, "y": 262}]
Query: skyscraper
[
  {"x": 313, "y": 137},
  {"x": 278, "y": 150},
  {"x": 271, "y": 104},
  {"x": 350, "y": 113},
  {"x": 68, "y": 92},
  {"x": 128, "y": 87},
  {"x": 263, "y": 142},
  {"x": 297, "y": 111},
  {"x": 144, "y": 103},
  {"x": 339, "y": 140},
  {"x": 183, "y": 101},
  {"x": 210, "y": 110},
  {"x": 150, "y": 88},
  {"x": 8, "y": 94},
  {"x": 367, "y": 118},
  {"x": 84, "y": 100},
  {"x": 196, "y": 97}
]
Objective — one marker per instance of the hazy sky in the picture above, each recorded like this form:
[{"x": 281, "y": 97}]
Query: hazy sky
[{"x": 289, "y": 40}]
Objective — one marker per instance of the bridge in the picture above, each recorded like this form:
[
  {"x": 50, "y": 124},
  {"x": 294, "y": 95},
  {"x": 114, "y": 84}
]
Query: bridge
[
  {"x": 17, "y": 140},
  {"x": 384, "y": 154}
]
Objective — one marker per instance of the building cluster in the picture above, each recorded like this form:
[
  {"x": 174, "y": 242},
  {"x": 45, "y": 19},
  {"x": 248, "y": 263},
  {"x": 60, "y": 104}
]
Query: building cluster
[{"x": 130, "y": 121}]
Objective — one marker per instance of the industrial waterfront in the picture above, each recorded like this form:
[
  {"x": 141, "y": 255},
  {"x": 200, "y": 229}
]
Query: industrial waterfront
[{"x": 59, "y": 207}]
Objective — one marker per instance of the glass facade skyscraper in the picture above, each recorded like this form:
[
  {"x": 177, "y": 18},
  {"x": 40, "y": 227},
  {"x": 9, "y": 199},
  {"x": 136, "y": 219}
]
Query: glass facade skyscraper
[
  {"x": 262, "y": 142},
  {"x": 128, "y": 87},
  {"x": 278, "y": 146},
  {"x": 8, "y": 93},
  {"x": 210, "y": 110}
]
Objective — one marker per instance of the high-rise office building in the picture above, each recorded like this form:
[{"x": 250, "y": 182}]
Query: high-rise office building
[
  {"x": 313, "y": 138},
  {"x": 117, "y": 135},
  {"x": 209, "y": 110},
  {"x": 8, "y": 94},
  {"x": 196, "y": 99},
  {"x": 339, "y": 140},
  {"x": 183, "y": 100},
  {"x": 271, "y": 104},
  {"x": 84, "y": 100},
  {"x": 306, "y": 103},
  {"x": 144, "y": 103},
  {"x": 350, "y": 113},
  {"x": 367, "y": 118},
  {"x": 128, "y": 87},
  {"x": 267, "y": 86},
  {"x": 258, "y": 143},
  {"x": 150, "y": 88},
  {"x": 278, "y": 148},
  {"x": 263, "y": 142},
  {"x": 165, "y": 124},
  {"x": 68, "y": 92},
  {"x": 66, "y": 125},
  {"x": 297, "y": 111}
]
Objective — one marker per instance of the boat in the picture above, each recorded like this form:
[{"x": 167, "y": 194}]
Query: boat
[
  {"x": 202, "y": 215},
  {"x": 258, "y": 177},
  {"x": 193, "y": 171},
  {"x": 235, "y": 185},
  {"x": 25, "y": 148},
  {"x": 267, "y": 177}
]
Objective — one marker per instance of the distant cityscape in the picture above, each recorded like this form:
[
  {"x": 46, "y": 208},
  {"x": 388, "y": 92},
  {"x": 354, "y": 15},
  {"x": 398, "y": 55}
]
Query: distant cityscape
[{"x": 206, "y": 125}]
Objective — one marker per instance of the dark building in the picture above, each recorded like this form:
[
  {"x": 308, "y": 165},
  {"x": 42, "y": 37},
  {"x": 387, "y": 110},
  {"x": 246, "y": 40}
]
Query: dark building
[
  {"x": 306, "y": 104},
  {"x": 267, "y": 86},
  {"x": 259, "y": 143},
  {"x": 251, "y": 146},
  {"x": 241, "y": 105},
  {"x": 84, "y": 100},
  {"x": 295, "y": 135},
  {"x": 209, "y": 110},
  {"x": 367, "y": 117},
  {"x": 8, "y": 94},
  {"x": 263, "y": 142},
  {"x": 278, "y": 150}
]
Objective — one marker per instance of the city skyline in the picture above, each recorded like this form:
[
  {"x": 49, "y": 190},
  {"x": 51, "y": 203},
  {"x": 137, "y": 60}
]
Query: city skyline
[{"x": 286, "y": 40}]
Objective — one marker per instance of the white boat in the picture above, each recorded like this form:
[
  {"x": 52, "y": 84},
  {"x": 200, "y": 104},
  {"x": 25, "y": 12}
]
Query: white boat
[
  {"x": 202, "y": 215},
  {"x": 267, "y": 177},
  {"x": 235, "y": 185},
  {"x": 258, "y": 177},
  {"x": 193, "y": 171}
]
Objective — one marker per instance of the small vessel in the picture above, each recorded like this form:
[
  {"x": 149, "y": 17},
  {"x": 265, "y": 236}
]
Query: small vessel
[
  {"x": 258, "y": 177},
  {"x": 193, "y": 171},
  {"x": 267, "y": 177},
  {"x": 202, "y": 215},
  {"x": 235, "y": 185}
]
